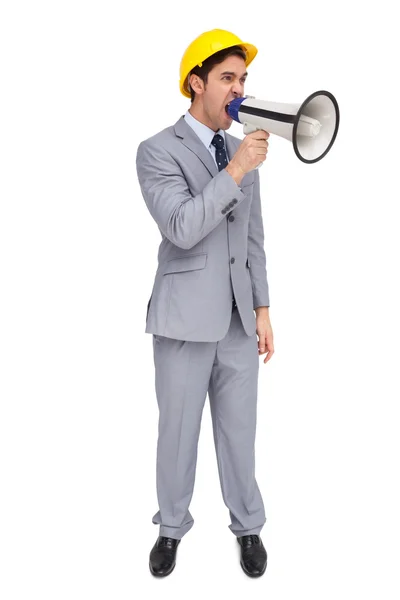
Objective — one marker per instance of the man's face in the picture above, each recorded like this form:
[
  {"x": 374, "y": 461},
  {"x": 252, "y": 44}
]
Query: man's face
[{"x": 225, "y": 82}]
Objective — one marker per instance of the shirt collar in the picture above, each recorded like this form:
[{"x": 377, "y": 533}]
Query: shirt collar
[{"x": 204, "y": 132}]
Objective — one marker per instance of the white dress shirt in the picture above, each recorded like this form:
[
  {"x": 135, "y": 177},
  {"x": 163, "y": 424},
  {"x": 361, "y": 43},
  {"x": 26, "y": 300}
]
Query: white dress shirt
[{"x": 205, "y": 134}]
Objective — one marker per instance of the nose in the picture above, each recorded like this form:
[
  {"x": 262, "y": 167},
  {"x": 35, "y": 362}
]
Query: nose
[{"x": 238, "y": 89}]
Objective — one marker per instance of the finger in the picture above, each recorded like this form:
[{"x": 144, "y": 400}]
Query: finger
[
  {"x": 262, "y": 148},
  {"x": 261, "y": 144},
  {"x": 267, "y": 358},
  {"x": 260, "y": 134},
  {"x": 269, "y": 355}
]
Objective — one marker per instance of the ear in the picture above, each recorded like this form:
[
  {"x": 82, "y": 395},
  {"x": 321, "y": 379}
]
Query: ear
[{"x": 196, "y": 83}]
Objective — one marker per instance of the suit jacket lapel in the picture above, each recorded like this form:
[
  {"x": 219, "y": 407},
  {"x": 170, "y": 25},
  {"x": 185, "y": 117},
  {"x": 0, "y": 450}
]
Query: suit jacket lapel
[{"x": 192, "y": 141}]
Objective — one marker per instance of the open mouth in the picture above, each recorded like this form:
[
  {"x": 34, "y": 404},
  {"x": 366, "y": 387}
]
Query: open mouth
[{"x": 226, "y": 109}]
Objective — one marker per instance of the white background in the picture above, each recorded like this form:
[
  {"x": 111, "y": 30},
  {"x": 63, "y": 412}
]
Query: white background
[{"x": 82, "y": 83}]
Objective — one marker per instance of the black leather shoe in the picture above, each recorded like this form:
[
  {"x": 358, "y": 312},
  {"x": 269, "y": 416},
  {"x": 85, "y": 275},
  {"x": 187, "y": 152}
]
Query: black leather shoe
[
  {"x": 253, "y": 556},
  {"x": 163, "y": 556}
]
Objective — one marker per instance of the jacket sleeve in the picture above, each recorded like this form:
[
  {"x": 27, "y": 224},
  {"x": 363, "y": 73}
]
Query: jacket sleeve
[
  {"x": 183, "y": 218},
  {"x": 255, "y": 249}
]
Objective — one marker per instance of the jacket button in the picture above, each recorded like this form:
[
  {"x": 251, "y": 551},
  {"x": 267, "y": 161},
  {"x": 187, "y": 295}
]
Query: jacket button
[
  {"x": 231, "y": 218},
  {"x": 232, "y": 260}
]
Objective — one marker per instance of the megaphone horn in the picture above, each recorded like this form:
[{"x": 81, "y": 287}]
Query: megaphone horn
[{"x": 311, "y": 126}]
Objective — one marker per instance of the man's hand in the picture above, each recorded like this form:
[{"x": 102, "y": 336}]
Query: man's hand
[
  {"x": 251, "y": 152},
  {"x": 264, "y": 332}
]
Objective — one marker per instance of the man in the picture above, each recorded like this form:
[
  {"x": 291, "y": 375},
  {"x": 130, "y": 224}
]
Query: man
[{"x": 202, "y": 188}]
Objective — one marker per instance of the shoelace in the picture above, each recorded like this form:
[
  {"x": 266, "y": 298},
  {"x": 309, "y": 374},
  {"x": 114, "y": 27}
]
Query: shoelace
[
  {"x": 251, "y": 539},
  {"x": 167, "y": 541}
]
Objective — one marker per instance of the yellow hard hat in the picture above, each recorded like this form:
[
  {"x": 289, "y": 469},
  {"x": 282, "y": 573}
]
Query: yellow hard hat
[{"x": 206, "y": 45}]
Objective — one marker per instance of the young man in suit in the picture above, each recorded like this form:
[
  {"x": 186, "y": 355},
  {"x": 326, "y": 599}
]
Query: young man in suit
[{"x": 202, "y": 188}]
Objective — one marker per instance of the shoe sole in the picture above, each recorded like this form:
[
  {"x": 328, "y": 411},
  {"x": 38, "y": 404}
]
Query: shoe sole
[{"x": 161, "y": 574}]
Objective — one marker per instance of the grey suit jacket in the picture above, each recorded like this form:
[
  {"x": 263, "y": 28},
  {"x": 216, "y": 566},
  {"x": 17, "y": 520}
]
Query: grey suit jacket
[{"x": 212, "y": 237}]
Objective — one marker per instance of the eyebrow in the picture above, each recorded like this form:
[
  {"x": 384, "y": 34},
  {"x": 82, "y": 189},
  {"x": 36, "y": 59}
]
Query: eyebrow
[{"x": 232, "y": 73}]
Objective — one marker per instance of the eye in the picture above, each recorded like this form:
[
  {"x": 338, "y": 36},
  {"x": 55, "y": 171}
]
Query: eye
[{"x": 243, "y": 80}]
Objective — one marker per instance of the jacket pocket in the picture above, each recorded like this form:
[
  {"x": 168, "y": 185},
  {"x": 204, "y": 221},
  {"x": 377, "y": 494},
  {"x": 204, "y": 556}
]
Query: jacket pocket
[{"x": 191, "y": 262}]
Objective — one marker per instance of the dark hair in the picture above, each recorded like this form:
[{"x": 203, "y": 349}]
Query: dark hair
[{"x": 210, "y": 63}]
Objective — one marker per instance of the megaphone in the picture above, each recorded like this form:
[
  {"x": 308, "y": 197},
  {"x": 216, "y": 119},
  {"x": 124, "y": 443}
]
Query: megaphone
[{"x": 311, "y": 126}]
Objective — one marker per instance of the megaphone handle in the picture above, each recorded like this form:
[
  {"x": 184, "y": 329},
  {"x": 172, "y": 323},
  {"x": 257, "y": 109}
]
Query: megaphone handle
[{"x": 248, "y": 128}]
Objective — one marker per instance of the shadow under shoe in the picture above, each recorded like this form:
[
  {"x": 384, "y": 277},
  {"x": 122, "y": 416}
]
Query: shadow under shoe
[
  {"x": 253, "y": 556},
  {"x": 163, "y": 556}
]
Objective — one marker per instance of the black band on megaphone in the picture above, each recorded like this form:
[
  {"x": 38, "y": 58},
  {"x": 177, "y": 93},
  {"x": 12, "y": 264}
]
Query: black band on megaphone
[
  {"x": 267, "y": 114},
  {"x": 236, "y": 106}
]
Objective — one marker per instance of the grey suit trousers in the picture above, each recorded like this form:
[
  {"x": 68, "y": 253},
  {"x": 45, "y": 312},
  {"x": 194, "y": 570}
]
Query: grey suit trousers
[{"x": 184, "y": 372}]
